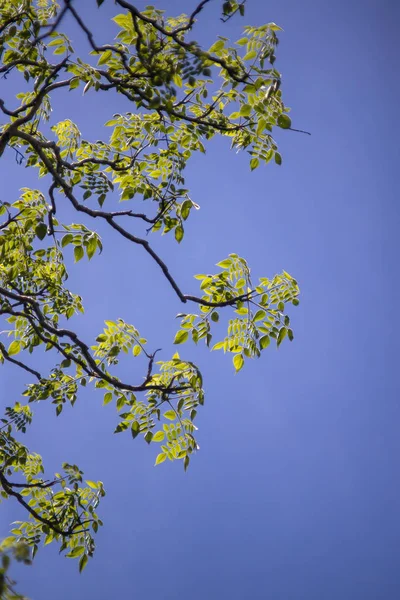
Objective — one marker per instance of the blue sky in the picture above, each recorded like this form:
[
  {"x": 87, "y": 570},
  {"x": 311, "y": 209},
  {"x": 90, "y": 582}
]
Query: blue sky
[{"x": 294, "y": 494}]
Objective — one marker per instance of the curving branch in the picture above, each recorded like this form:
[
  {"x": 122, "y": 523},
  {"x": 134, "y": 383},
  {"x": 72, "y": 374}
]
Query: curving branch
[
  {"x": 53, "y": 525},
  {"x": 20, "y": 364}
]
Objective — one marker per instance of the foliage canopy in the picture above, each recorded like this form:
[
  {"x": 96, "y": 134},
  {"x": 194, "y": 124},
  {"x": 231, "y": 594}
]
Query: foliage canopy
[{"x": 180, "y": 96}]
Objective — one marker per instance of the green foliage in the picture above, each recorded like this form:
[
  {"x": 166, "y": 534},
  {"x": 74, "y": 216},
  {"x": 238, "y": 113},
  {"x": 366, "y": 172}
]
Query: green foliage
[
  {"x": 259, "y": 309},
  {"x": 180, "y": 96}
]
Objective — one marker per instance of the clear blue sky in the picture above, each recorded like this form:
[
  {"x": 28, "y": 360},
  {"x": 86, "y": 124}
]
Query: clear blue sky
[{"x": 295, "y": 492}]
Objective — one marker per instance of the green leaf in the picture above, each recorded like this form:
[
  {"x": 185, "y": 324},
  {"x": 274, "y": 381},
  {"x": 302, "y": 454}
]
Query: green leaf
[
  {"x": 83, "y": 563},
  {"x": 78, "y": 253},
  {"x": 278, "y": 158},
  {"x": 136, "y": 350},
  {"x": 214, "y": 317},
  {"x": 225, "y": 264},
  {"x": 91, "y": 247},
  {"x": 135, "y": 429},
  {"x": 284, "y": 122},
  {"x": 250, "y": 55},
  {"x": 107, "y": 398},
  {"x": 274, "y": 27},
  {"x": 177, "y": 80},
  {"x": 282, "y": 334},
  {"x": 74, "y": 83},
  {"x": 245, "y": 110},
  {"x": 60, "y": 50},
  {"x": 254, "y": 163},
  {"x": 158, "y": 437},
  {"x": 92, "y": 484},
  {"x": 264, "y": 342},
  {"x": 217, "y": 47},
  {"x": 67, "y": 239},
  {"x": 56, "y": 42},
  {"x": 160, "y": 459},
  {"x": 78, "y": 551},
  {"x": 185, "y": 209},
  {"x": 261, "y": 126},
  {"x": 14, "y": 347},
  {"x": 148, "y": 437},
  {"x": 205, "y": 283},
  {"x": 105, "y": 57},
  {"x": 238, "y": 361},
  {"x": 41, "y": 231},
  {"x": 179, "y": 233},
  {"x": 218, "y": 346},
  {"x": 259, "y": 316},
  {"x": 170, "y": 414},
  {"x": 181, "y": 337}
]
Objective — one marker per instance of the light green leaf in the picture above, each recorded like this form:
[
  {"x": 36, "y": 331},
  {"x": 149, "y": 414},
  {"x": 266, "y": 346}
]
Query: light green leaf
[
  {"x": 254, "y": 163},
  {"x": 259, "y": 316},
  {"x": 218, "y": 346},
  {"x": 83, "y": 563},
  {"x": 74, "y": 83},
  {"x": 250, "y": 55},
  {"x": 284, "y": 122},
  {"x": 274, "y": 27},
  {"x": 179, "y": 233},
  {"x": 264, "y": 342},
  {"x": 135, "y": 429},
  {"x": 78, "y": 551},
  {"x": 60, "y": 50},
  {"x": 217, "y": 47},
  {"x": 181, "y": 337},
  {"x": 177, "y": 80},
  {"x": 78, "y": 253},
  {"x": 107, "y": 398},
  {"x": 158, "y": 437},
  {"x": 92, "y": 484},
  {"x": 261, "y": 126},
  {"x": 91, "y": 247},
  {"x": 225, "y": 264},
  {"x": 160, "y": 459},
  {"x": 170, "y": 414},
  {"x": 67, "y": 239},
  {"x": 56, "y": 42},
  {"x": 136, "y": 350},
  {"x": 105, "y": 57},
  {"x": 282, "y": 334},
  {"x": 245, "y": 110},
  {"x": 238, "y": 361},
  {"x": 14, "y": 347}
]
